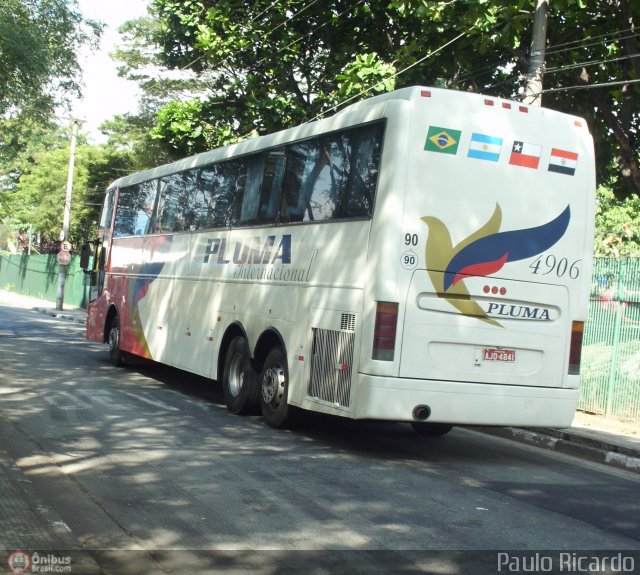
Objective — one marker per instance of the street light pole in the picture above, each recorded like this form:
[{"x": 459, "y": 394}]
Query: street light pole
[
  {"x": 66, "y": 219},
  {"x": 533, "y": 89}
]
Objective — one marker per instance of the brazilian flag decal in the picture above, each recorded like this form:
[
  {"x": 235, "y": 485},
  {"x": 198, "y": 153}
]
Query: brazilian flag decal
[{"x": 442, "y": 140}]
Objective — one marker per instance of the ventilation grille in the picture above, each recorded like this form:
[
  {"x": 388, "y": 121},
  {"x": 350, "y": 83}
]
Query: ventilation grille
[
  {"x": 331, "y": 364},
  {"x": 348, "y": 322}
]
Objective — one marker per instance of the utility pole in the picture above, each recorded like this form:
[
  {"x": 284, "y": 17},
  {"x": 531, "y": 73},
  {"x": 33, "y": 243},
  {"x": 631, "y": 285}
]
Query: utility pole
[
  {"x": 533, "y": 89},
  {"x": 63, "y": 255}
]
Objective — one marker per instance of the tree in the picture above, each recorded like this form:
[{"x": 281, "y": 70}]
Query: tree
[
  {"x": 39, "y": 73},
  {"x": 617, "y": 225},
  {"x": 257, "y": 67},
  {"x": 261, "y": 66},
  {"x": 592, "y": 67},
  {"x": 38, "y": 202},
  {"x": 39, "y": 43}
]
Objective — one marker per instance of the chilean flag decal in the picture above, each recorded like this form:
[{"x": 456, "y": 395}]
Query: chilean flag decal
[{"x": 525, "y": 155}]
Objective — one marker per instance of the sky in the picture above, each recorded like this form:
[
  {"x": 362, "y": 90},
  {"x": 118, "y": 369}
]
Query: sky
[{"x": 104, "y": 93}]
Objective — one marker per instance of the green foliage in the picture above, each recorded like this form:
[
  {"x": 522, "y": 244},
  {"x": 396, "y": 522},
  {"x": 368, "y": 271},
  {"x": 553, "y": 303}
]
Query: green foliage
[
  {"x": 588, "y": 44},
  {"x": 367, "y": 74},
  {"x": 38, "y": 201},
  {"x": 617, "y": 225},
  {"x": 39, "y": 74},
  {"x": 254, "y": 67},
  {"x": 39, "y": 42}
]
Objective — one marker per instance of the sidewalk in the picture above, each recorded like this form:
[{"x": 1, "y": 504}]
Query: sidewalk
[
  {"x": 69, "y": 313},
  {"x": 592, "y": 437}
]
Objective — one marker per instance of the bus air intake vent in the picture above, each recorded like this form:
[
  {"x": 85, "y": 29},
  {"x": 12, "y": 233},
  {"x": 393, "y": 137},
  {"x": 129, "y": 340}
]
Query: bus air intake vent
[
  {"x": 331, "y": 366},
  {"x": 348, "y": 322}
]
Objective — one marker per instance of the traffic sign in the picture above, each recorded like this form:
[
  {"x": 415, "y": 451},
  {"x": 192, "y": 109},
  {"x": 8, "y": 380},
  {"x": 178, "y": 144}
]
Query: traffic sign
[
  {"x": 65, "y": 246},
  {"x": 63, "y": 257}
]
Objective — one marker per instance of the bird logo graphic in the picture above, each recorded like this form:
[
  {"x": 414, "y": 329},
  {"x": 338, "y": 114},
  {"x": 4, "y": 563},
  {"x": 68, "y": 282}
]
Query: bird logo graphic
[{"x": 484, "y": 252}]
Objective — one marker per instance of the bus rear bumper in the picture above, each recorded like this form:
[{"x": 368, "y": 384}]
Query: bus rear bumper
[{"x": 464, "y": 403}]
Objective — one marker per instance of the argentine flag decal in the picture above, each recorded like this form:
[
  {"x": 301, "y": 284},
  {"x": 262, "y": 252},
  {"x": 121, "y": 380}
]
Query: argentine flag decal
[{"x": 483, "y": 147}]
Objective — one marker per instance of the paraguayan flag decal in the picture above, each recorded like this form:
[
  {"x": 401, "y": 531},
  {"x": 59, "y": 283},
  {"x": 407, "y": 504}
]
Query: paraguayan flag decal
[
  {"x": 483, "y": 147},
  {"x": 563, "y": 162}
]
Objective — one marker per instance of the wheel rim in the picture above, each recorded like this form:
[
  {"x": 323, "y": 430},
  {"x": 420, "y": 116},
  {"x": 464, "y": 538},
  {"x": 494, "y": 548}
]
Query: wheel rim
[
  {"x": 273, "y": 381},
  {"x": 236, "y": 375}
]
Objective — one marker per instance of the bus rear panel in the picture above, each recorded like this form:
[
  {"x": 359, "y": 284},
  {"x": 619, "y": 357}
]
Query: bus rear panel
[{"x": 482, "y": 244}]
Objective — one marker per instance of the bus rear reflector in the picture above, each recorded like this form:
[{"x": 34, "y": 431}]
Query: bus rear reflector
[
  {"x": 384, "y": 334},
  {"x": 575, "y": 352}
]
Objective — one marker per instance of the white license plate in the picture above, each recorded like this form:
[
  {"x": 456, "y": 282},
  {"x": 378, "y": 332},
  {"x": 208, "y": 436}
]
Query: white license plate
[{"x": 498, "y": 354}]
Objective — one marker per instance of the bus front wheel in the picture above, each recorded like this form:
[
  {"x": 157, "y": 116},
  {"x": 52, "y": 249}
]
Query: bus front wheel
[
  {"x": 113, "y": 339},
  {"x": 239, "y": 384},
  {"x": 274, "y": 389}
]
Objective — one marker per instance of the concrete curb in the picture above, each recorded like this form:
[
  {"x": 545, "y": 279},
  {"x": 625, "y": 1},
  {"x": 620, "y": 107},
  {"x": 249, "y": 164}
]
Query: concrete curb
[
  {"x": 573, "y": 442},
  {"x": 79, "y": 317}
]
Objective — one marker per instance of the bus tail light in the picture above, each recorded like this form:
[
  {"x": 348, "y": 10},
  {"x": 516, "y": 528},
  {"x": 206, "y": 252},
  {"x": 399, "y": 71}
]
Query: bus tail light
[
  {"x": 384, "y": 334},
  {"x": 575, "y": 351}
]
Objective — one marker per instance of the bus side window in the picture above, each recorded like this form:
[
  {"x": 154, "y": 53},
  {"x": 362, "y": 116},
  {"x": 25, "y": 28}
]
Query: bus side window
[
  {"x": 231, "y": 182},
  {"x": 188, "y": 208},
  {"x": 135, "y": 209},
  {"x": 268, "y": 209},
  {"x": 176, "y": 203},
  {"x": 248, "y": 202},
  {"x": 319, "y": 189},
  {"x": 358, "y": 194},
  {"x": 305, "y": 162}
]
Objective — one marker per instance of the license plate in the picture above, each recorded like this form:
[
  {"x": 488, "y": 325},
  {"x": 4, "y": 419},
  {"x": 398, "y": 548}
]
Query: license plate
[{"x": 498, "y": 354}]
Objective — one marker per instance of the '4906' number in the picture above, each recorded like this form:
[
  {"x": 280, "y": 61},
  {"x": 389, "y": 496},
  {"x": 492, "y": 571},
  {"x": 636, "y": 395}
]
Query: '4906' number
[{"x": 561, "y": 267}]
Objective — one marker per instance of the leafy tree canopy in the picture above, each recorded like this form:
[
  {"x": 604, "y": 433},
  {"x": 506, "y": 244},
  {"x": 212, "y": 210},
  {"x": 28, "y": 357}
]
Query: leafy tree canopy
[
  {"x": 592, "y": 65},
  {"x": 39, "y": 75},
  {"x": 39, "y": 43},
  {"x": 245, "y": 68},
  {"x": 38, "y": 200},
  {"x": 617, "y": 225}
]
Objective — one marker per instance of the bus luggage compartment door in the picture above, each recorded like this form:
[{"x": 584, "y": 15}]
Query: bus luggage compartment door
[{"x": 503, "y": 331}]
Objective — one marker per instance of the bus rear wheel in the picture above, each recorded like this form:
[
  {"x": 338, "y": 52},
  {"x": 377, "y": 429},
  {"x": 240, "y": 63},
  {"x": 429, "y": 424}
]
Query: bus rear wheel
[
  {"x": 274, "y": 390},
  {"x": 239, "y": 384},
  {"x": 431, "y": 429}
]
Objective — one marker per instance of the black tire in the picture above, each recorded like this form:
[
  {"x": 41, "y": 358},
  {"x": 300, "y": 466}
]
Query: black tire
[
  {"x": 239, "y": 382},
  {"x": 274, "y": 390},
  {"x": 431, "y": 429},
  {"x": 116, "y": 356}
]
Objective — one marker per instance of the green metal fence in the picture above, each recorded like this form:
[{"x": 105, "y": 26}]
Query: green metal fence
[
  {"x": 38, "y": 276},
  {"x": 611, "y": 352},
  {"x": 610, "y": 356}
]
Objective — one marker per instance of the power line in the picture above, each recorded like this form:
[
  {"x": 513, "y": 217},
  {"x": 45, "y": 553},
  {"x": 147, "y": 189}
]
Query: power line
[
  {"x": 266, "y": 35},
  {"x": 305, "y": 36},
  {"x": 576, "y": 44},
  {"x": 429, "y": 55},
  {"x": 590, "y": 86},
  {"x": 607, "y": 34},
  {"x": 585, "y": 64},
  {"x": 250, "y": 22},
  {"x": 589, "y": 44}
]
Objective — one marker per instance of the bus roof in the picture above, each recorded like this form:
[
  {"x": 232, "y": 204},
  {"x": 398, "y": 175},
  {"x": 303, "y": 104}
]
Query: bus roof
[{"x": 363, "y": 111}]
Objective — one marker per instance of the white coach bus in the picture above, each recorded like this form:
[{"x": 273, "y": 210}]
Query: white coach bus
[{"x": 421, "y": 256}]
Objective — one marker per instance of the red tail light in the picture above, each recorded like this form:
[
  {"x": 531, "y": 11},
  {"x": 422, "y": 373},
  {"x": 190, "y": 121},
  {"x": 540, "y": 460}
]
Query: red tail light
[
  {"x": 384, "y": 334},
  {"x": 575, "y": 351}
]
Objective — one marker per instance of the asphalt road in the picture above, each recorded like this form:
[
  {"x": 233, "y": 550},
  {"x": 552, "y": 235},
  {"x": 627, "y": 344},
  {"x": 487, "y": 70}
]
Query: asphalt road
[{"x": 145, "y": 464}]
